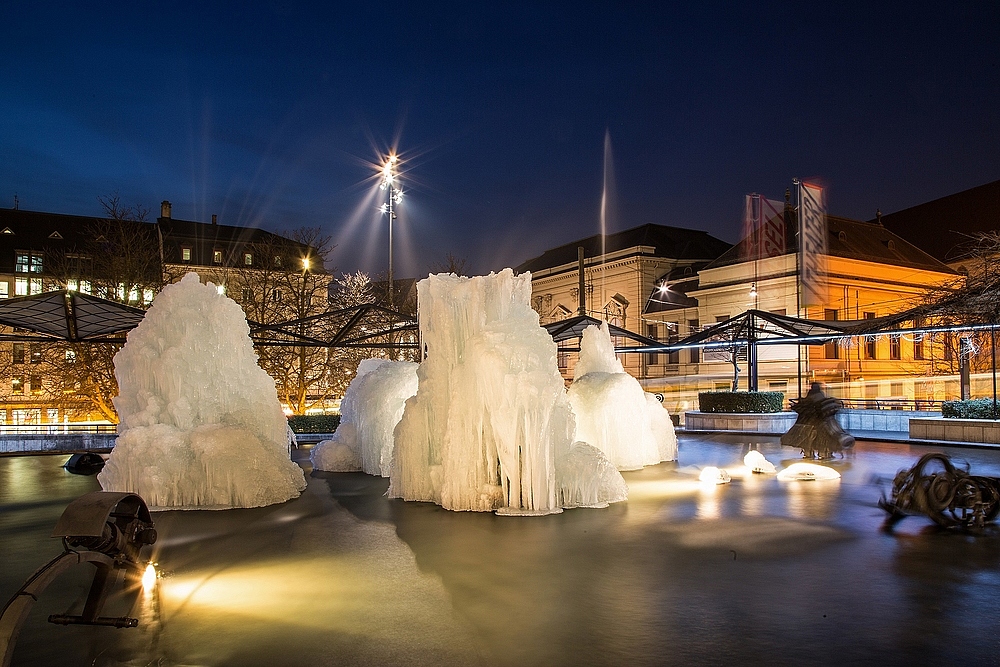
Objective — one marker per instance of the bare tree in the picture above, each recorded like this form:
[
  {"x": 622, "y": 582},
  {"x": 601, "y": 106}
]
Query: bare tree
[{"x": 450, "y": 264}]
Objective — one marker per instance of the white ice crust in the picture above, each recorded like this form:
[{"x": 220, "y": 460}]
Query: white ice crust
[
  {"x": 613, "y": 412},
  {"x": 201, "y": 424},
  {"x": 372, "y": 406},
  {"x": 491, "y": 422}
]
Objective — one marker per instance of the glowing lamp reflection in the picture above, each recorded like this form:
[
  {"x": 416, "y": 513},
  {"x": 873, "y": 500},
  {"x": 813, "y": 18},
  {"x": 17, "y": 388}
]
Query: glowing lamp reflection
[
  {"x": 149, "y": 578},
  {"x": 713, "y": 475}
]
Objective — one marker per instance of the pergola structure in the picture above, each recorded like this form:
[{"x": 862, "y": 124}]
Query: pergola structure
[
  {"x": 572, "y": 329},
  {"x": 66, "y": 315}
]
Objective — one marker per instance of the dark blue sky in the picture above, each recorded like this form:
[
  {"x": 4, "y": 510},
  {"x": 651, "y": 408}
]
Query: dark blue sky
[{"x": 275, "y": 113}]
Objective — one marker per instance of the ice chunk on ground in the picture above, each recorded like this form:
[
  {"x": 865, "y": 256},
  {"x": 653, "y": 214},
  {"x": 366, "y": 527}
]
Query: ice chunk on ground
[
  {"x": 372, "y": 406},
  {"x": 586, "y": 478},
  {"x": 490, "y": 409},
  {"x": 757, "y": 463},
  {"x": 613, "y": 412},
  {"x": 201, "y": 424}
]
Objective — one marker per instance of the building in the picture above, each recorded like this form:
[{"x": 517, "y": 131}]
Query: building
[
  {"x": 620, "y": 273},
  {"x": 273, "y": 278},
  {"x": 871, "y": 272}
]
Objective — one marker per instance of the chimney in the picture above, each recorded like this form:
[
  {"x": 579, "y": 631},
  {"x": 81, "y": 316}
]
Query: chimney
[
  {"x": 165, "y": 209},
  {"x": 215, "y": 219}
]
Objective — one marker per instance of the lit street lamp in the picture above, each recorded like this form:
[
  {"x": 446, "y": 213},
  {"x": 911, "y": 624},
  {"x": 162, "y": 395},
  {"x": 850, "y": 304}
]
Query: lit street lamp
[{"x": 394, "y": 196}]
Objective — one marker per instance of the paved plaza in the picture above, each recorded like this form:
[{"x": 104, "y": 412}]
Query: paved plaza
[{"x": 755, "y": 572}]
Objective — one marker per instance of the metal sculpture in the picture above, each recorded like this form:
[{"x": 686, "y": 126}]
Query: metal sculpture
[
  {"x": 816, "y": 430},
  {"x": 950, "y": 497},
  {"x": 106, "y": 529}
]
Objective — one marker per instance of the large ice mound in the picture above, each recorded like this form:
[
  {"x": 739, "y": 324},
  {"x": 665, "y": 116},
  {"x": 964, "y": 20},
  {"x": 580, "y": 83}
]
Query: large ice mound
[
  {"x": 491, "y": 412},
  {"x": 201, "y": 425},
  {"x": 613, "y": 412},
  {"x": 372, "y": 406}
]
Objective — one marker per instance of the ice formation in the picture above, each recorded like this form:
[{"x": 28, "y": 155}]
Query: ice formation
[
  {"x": 613, "y": 412},
  {"x": 201, "y": 425},
  {"x": 713, "y": 475},
  {"x": 756, "y": 462},
  {"x": 807, "y": 472},
  {"x": 372, "y": 406},
  {"x": 490, "y": 422}
]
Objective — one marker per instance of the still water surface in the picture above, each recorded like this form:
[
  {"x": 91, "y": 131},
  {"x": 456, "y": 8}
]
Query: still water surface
[{"x": 754, "y": 572}]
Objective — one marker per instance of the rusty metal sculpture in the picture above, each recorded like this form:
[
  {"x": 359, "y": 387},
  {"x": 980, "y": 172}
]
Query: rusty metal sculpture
[
  {"x": 816, "y": 430},
  {"x": 950, "y": 497}
]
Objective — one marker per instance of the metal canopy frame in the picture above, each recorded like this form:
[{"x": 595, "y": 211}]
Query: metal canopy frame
[
  {"x": 364, "y": 326},
  {"x": 573, "y": 327},
  {"x": 68, "y": 316}
]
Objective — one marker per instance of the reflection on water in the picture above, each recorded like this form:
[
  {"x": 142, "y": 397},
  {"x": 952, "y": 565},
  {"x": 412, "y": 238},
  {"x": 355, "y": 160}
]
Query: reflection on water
[{"x": 682, "y": 573}]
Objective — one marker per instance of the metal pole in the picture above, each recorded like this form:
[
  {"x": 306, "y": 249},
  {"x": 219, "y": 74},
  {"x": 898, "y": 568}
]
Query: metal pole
[
  {"x": 390, "y": 304},
  {"x": 993, "y": 354}
]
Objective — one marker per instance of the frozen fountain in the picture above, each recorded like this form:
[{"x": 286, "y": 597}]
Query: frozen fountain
[
  {"x": 613, "y": 412},
  {"x": 372, "y": 406},
  {"x": 201, "y": 426},
  {"x": 490, "y": 424}
]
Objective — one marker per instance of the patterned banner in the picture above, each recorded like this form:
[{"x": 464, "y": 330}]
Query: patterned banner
[
  {"x": 812, "y": 232},
  {"x": 763, "y": 228}
]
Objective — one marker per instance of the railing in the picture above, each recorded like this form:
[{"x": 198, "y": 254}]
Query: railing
[
  {"x": 887, "y": 403},
  {"x": 48, "y": 429}
]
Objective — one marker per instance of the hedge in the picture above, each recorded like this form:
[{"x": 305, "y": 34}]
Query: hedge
[
  {"x": 976, "y": 408},
  {"x": 741, "y": 401},
  {"x": 314, "y": 423}
]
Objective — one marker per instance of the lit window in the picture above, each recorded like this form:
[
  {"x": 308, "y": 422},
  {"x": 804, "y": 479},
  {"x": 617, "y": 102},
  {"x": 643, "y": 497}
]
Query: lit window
[
  {"x": 36, "y": 384},
  {"x": 248, "y": 259},
  {"x": 36, "y": 263},
  {"x": 147, "y": 296},
  {"x": 71, "y": 285},
  {"x": 36, "y": 353},
  {"x": 35, "y": 286},
  {"x": 20, "y": 287},
  {"x": 17, "y": 384},
  {"x": 4, "y": 289},
  {"x": 276, "y": 295},
  {"x": 247, "y": 294},
  {"x": 70, "y": 356},
  {"x": 217, "y": 256},
  {"x": 85, "y": 286},
  {"x": 21, "y": 262},
  {"x": 185, "y": 254}
]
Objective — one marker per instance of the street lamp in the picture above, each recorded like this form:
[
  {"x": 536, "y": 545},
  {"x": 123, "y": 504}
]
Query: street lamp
[{"x": 394, "y": 195}]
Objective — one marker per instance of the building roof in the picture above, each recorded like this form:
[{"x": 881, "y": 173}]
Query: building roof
[
  {"x": 851, "y": 239},
  {"x": 941, "y": 227},
  {"x": 203, "y": 239},
  {"x": 672, "y": 242}
]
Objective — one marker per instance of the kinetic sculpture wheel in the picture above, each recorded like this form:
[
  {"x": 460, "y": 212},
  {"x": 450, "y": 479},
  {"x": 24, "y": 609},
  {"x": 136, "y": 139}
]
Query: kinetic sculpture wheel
[
  {"x": 950, "y": 497},
  {"x": 106, "y": 529}
]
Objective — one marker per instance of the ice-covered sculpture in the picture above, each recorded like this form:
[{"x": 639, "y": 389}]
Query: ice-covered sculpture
[
  {"x": 371, "y": 408},
  {"x": 613, "y": 412},
  {"x": 490, "y": 417},
  {"x": 201, "y": 425}
]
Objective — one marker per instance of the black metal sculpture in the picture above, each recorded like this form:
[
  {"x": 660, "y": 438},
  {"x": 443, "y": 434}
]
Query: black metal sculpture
[
  {"x": 816, "y": 430},
  {"x": 950, "y": 497}
]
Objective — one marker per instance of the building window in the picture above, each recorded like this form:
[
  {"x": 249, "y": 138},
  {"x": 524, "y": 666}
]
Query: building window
[
  {"x": 247, "y": 259},
  {"x": 185, "y": 254},
  {"x": 27, "y": 262},
  {"x": 276, "y": 295},
  {"x": 217, "y": 257},
  {"x": 20, "y": 287},
  {"x": 672, "y": 337},
  {"x": 871, "y": 342},
  {"x": 18, "y": 353},
  {"x": 36, "y": 384},
  {"x": 695, "y": 352},
  {"x": 34, "y": 285},
  {"x": 947, "y": 346},
  {"x": 52, "y": 415},
  {"x": 17, "y": 385},
  {"x": 85, "y": 287},
  {"x": 895, "y": 348},
  {"x": 247, "y": 295},
  {"x": 4, "y": 289},
  {"x": 70, "y": 356},
  {"x": 833, "y": 347},
  {"x": 36, "y": 353},
  {"x": 652, "y": 358}
]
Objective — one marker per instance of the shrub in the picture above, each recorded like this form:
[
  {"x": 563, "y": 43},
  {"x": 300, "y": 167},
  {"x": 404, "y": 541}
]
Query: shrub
[
  {"x": 976, "y": 408},
  {"x": 314, "y": 423},
  {"x": 741, "y": 401}
]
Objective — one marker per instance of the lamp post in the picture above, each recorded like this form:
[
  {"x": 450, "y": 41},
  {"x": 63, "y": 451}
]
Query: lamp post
[{"x": 394, "y": 196}]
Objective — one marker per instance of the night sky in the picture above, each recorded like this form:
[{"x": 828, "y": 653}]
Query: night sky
[{"x": 275, "y": 114}]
